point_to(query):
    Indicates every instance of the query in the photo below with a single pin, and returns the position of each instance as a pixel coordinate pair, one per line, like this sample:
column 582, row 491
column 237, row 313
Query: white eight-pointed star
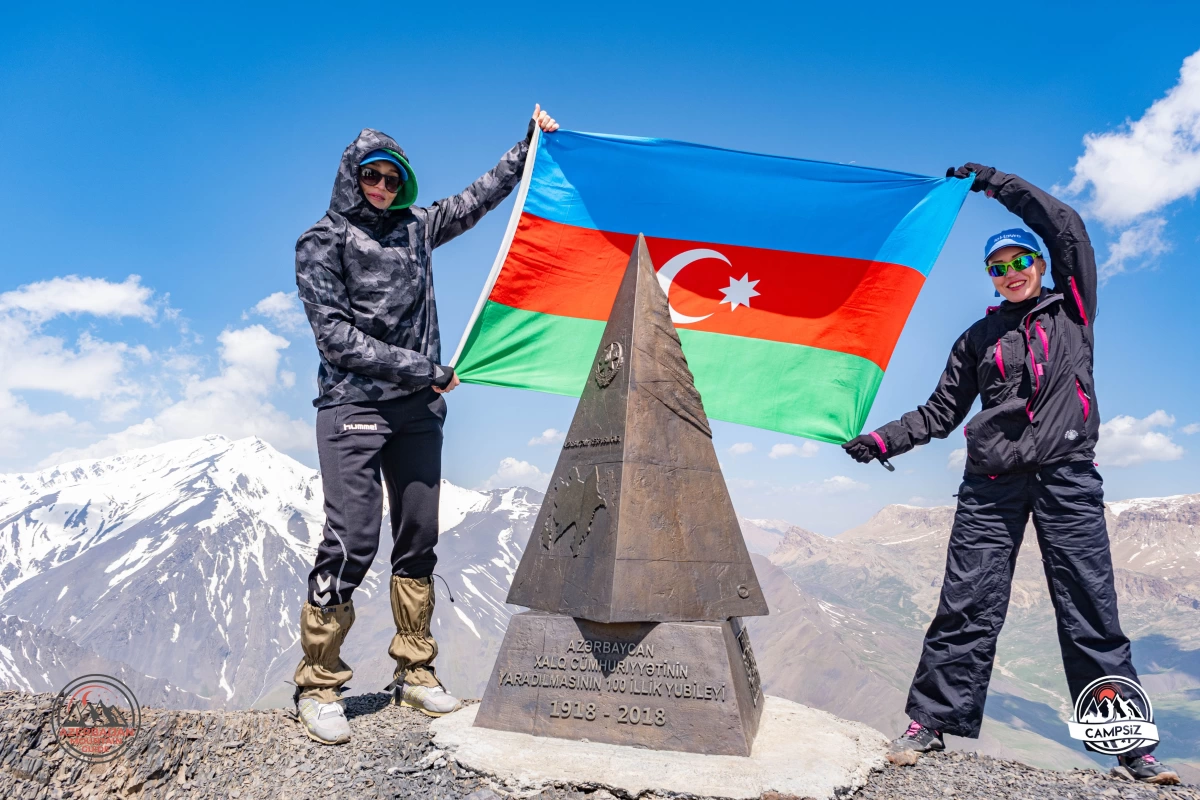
column 740, row 292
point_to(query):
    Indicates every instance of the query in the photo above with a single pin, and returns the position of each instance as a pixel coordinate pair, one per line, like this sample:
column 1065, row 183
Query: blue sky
column 190, row 148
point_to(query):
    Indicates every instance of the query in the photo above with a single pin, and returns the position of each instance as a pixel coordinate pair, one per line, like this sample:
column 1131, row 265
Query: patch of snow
column 467, row 621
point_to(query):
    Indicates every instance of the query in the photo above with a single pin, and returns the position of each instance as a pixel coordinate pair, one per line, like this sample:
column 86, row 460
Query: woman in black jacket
column 1030, row 452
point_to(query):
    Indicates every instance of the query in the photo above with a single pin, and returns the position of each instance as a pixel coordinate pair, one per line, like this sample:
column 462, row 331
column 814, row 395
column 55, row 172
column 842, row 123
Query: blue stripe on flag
column 676, row 190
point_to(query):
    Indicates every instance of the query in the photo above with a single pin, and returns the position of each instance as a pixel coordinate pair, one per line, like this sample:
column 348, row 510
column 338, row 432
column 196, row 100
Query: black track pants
column 1067, row 503
column 402, row 439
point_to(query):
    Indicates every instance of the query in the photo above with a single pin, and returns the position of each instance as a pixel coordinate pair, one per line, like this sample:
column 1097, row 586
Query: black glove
column 863, row 449
column 442, row 375
column 982, row 174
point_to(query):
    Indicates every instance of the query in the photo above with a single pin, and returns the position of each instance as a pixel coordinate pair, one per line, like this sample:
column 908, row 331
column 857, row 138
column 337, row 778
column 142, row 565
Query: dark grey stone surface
column 688, row 686
column 637, row 523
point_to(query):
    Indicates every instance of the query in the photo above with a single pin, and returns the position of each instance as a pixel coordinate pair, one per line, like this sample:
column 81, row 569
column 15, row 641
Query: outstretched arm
column 945, row 410
column 456, row 215
column 1072, row 259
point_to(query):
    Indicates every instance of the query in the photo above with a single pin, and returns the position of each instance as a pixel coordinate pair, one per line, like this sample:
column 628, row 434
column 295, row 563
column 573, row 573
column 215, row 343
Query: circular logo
column 95, row 718
column 1113, row 715
column 1071, row 435
column 609, row 363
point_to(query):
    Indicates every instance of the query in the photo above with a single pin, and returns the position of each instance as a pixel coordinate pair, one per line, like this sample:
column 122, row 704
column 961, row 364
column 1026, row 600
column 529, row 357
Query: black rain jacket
column 366, row 280
column 1030, row 363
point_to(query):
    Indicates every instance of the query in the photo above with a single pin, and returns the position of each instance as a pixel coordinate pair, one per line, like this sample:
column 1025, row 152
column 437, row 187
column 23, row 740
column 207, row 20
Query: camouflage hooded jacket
column 366, row 280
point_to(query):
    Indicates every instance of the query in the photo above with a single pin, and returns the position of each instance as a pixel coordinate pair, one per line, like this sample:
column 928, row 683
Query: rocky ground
column 253, row 755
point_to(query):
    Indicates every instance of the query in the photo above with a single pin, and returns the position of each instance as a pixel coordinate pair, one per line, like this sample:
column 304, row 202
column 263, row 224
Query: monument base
column 686, row 686
column 799, row 752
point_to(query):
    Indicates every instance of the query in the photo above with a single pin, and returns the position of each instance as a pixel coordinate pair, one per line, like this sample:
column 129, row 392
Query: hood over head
column 348, row 199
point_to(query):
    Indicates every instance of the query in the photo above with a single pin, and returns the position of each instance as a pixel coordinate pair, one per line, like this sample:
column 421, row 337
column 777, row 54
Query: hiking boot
column 919, row 739
column 432, row 700
column 1146, row 769
column 323, row 722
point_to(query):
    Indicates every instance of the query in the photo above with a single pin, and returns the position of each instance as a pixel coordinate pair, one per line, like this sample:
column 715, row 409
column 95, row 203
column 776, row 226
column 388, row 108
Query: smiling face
column 378, row 195
column 1016, row 286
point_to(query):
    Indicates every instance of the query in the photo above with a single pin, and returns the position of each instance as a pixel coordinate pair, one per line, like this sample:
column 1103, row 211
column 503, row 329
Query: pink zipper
column 1078, row 300
column 1045, row 340
column 1083, row 399
column 1037, row 372
column 1000, row 358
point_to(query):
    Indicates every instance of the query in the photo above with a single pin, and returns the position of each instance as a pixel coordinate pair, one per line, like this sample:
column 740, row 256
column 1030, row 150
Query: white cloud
column 839, row 484
column 514, row 472
column 89, row 368
column 19, row 420
column 957, row 459
column 283, row 310
column 72, row 294
column 1127, row 441
column 805, row 450
column 233, row 403
column 742, row 448
column 1192, row 428
column 1142, row 167
column 1136, row 247
column 549, row 436
column 29, row 359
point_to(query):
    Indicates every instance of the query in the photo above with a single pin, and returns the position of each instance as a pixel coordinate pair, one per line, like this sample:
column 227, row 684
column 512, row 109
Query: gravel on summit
column 253, row 755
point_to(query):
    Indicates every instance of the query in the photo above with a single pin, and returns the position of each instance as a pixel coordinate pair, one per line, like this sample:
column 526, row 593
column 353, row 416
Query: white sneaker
column 323, row 722
column 434, row 701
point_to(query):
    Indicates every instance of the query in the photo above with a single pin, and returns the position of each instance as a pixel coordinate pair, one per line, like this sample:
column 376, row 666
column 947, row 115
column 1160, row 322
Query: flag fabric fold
column 789, row 280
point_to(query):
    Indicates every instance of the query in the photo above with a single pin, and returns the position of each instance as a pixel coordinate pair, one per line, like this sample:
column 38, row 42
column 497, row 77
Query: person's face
column 378, row 195
column 1016, row 286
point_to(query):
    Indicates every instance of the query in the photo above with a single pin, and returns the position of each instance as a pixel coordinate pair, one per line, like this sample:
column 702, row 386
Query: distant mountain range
column 181, row 570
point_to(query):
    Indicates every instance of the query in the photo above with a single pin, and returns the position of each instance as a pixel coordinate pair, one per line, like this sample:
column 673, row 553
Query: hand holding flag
column 808, row 266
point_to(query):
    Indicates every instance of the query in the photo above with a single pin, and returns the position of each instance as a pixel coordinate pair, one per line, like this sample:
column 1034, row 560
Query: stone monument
column 636, row 569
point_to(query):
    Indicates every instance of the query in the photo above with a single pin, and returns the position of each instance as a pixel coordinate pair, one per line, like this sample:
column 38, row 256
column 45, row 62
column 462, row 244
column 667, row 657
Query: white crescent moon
column 666, row 276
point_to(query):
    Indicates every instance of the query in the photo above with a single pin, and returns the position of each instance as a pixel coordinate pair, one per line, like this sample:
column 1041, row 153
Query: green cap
column 408, row 189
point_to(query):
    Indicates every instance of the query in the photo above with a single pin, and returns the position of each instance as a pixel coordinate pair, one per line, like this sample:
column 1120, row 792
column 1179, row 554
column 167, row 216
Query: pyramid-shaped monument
column 636, row 567
column 637, row 524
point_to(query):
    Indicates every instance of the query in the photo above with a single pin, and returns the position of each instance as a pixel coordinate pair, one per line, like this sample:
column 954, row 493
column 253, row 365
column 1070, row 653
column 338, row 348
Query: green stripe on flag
column 529, row 350
column 790, row 388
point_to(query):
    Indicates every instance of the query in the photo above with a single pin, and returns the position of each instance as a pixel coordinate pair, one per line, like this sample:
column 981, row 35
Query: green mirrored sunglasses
column 1018, row 264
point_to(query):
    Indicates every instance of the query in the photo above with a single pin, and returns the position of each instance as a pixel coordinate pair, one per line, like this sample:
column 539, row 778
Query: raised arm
column 458, row 214
column 323, row 292
column 945, row 410
column 1072, row 259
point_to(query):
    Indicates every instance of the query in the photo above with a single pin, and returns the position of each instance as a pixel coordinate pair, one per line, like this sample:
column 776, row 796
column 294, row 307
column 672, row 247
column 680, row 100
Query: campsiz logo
column 360, row 426
column 1114, row 716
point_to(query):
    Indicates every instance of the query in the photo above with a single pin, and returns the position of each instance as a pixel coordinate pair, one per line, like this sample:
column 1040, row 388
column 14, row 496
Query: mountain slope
column 889, row 571
column 202, row 548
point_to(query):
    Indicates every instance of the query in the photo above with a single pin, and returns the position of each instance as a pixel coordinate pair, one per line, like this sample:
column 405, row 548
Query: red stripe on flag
column 843, row 304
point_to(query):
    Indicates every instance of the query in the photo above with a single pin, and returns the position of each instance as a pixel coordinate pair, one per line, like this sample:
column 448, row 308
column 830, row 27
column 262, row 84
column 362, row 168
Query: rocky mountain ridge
column 181, row 569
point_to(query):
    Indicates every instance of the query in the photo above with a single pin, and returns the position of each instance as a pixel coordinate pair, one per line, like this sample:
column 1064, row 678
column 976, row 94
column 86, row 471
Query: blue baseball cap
column 384, row 155
column 1013, row 237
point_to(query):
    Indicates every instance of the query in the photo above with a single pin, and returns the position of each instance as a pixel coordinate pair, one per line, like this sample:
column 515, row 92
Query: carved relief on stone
column 576, row 501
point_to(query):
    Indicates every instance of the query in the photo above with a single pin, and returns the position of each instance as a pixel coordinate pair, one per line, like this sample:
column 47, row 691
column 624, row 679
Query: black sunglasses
column 372, row 177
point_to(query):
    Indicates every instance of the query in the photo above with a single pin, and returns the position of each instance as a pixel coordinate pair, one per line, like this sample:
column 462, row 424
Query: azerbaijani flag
column 789, row 280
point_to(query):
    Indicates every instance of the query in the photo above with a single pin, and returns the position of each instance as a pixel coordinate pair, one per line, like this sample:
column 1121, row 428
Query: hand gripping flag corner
column 789, row 280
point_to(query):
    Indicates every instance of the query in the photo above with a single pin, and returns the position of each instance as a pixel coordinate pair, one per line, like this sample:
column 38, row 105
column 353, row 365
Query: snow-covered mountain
column 188, row 561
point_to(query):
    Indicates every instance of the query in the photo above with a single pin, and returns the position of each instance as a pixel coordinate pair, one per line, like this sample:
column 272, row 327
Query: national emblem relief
column 609, row 363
